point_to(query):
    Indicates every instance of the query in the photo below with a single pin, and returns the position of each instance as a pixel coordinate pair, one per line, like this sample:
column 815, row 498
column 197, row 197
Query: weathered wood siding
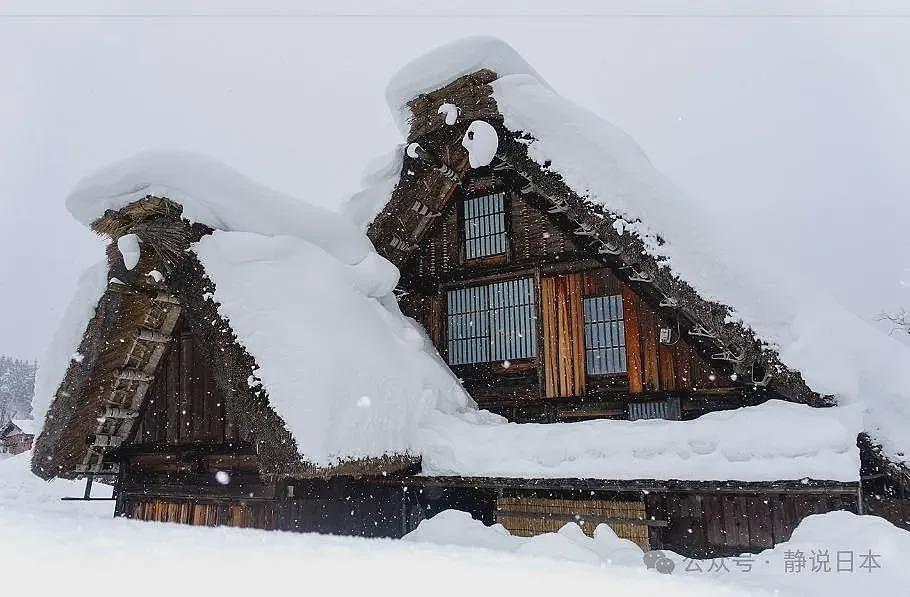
column 564, row 275
column 184, row 405
column 563, row 335
column 730, row 523
column 243, row 514
column 532, row 237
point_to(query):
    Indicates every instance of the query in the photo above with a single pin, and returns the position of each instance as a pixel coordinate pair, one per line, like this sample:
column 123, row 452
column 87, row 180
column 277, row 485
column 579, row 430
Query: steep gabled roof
column 14, row 426
column 592, row 179
column 309, row 350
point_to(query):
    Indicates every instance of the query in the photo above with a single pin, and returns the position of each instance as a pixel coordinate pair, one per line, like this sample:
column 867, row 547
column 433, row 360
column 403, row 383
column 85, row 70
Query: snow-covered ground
column 74, row 548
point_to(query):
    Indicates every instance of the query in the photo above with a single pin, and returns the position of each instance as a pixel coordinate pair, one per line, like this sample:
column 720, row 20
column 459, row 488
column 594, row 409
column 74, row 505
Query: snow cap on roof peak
column 214, row 194
column 439, row 67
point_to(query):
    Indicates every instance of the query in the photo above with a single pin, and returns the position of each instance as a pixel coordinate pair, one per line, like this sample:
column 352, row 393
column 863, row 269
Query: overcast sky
column 794, row 124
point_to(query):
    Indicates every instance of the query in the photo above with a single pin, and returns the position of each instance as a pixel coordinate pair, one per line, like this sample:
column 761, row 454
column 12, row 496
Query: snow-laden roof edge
column 446, row 63
column 214, row 194
column 773, row 441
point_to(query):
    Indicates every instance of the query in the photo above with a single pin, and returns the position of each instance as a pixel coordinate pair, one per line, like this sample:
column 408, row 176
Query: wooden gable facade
column 594, row 344
column 612, row 332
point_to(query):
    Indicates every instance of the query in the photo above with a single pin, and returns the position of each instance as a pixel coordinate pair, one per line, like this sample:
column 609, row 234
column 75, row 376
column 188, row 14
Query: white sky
column 789, row 122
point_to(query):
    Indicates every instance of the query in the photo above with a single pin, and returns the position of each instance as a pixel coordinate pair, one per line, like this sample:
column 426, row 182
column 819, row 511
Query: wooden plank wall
column 532, row 236
column 184, row 404
column 244, row 514
column 563, row 335
column 726, row 523
column 653, row 366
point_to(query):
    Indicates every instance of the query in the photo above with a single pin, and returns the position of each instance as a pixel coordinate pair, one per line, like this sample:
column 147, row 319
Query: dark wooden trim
column 799, row 486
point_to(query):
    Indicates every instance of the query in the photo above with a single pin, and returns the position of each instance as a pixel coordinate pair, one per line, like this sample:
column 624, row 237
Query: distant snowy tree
column 17, row 386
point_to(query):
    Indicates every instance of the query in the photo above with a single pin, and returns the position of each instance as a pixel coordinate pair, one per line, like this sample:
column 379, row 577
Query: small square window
column 484, row 226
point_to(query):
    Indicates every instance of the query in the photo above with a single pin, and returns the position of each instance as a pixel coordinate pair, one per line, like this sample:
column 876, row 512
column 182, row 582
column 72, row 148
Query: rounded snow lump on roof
column 214, row 194
column 441, row 66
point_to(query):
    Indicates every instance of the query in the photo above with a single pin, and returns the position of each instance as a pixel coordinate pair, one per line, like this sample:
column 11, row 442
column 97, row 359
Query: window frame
column 515, row 365
column 477, row 191
column 622, row 321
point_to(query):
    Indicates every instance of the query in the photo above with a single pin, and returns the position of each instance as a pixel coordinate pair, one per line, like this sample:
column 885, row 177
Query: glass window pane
column 484, row 226
column 605, row 346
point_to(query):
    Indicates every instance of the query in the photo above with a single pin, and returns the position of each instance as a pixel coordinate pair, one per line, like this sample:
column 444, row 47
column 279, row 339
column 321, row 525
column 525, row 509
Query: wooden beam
column 630, row 309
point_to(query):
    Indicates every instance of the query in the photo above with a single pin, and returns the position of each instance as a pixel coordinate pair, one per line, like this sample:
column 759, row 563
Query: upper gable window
column 605, row 335
column 484, row 226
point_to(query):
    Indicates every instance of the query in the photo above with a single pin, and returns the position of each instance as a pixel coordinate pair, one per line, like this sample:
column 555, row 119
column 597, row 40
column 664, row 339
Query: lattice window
column 484, row 226
column 493, row 322
column 605, row 335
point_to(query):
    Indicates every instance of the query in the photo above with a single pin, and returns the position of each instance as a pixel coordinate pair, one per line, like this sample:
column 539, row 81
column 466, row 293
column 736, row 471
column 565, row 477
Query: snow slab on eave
column 347, row 372
column 216, row 195
column 773, row 441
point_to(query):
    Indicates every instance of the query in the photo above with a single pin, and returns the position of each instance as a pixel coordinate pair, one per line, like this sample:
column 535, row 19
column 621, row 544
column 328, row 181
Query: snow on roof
column 216, row 195
column 835, row 351
column 27, row 426
column 64, row 344
column 773, row 441
column 350, row 376
column 443, row 65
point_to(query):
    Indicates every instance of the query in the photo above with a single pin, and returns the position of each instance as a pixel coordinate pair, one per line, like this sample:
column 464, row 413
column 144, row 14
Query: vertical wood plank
column 730, row 530
column 714, row 520
column 550, row 335
column 630, row 308
column 563, row 327
column 576, row 326
column 760, row 534
column 667, row 367
column 173, row 392
column 683, row 370
column 649, row 342
column 186, row 388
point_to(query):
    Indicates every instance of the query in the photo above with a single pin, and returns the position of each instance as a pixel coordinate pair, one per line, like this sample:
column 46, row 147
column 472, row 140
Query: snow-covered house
column 17, row 436
column 241, row 357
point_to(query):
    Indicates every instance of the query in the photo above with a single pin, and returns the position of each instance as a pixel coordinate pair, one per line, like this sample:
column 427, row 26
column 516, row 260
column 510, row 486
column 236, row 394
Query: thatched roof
column 98, row 401
column 430, row 181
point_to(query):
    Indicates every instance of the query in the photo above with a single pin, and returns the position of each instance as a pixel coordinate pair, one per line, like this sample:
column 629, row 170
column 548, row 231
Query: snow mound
column 214, row 194
column 837, row 553
column 71, row 534
column 19, row 488
column 773, row 441
column 350, row 376
column 453, row 527
column 443, row 65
